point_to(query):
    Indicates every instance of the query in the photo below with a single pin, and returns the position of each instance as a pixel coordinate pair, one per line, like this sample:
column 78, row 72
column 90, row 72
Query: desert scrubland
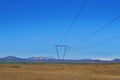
column 44, row 71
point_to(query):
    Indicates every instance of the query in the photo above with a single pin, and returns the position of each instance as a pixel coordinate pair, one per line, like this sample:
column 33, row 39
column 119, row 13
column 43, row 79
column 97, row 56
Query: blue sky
column 32, row 27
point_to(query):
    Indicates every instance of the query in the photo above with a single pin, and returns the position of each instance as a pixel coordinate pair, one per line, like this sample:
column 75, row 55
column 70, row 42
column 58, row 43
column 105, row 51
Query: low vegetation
column 59, row 71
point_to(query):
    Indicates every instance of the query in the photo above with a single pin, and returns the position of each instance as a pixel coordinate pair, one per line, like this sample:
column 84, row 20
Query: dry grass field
column 59, row 71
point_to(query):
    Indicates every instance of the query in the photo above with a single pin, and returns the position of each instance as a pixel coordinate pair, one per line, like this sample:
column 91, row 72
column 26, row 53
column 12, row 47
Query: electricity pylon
column 58, row 52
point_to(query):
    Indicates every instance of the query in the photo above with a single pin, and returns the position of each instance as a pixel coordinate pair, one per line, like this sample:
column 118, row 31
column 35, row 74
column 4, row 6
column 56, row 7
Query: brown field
column 59, row 71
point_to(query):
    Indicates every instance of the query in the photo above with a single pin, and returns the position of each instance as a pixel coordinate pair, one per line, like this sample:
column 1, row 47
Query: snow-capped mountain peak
column 39, row 58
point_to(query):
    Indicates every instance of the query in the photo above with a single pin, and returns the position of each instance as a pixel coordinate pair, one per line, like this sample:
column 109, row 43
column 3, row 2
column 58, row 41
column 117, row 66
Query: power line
column 74, row 20
column 102, row 42
column 99, row 30
column 68, row 30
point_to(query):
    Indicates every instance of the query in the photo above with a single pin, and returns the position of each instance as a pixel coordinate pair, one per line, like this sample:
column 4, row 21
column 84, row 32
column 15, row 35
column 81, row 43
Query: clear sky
column 32, row 27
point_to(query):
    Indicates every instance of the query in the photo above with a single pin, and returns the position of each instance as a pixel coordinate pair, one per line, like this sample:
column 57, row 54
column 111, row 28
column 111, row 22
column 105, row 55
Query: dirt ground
column 59, row 71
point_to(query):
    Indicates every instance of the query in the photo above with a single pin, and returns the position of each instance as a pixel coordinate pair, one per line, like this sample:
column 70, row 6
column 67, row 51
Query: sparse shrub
column 15, row 66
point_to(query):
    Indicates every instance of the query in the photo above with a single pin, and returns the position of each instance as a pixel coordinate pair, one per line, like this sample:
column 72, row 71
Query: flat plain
column 44, row 71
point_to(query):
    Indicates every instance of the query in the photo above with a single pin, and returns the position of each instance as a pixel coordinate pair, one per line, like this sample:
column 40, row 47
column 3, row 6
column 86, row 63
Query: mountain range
column 52, row 60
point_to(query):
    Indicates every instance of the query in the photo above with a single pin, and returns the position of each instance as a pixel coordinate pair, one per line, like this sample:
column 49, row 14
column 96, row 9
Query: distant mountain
column 116, row 60
column 30, row 59
column 11, row 58
column 39, row 58
column 47, row 59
